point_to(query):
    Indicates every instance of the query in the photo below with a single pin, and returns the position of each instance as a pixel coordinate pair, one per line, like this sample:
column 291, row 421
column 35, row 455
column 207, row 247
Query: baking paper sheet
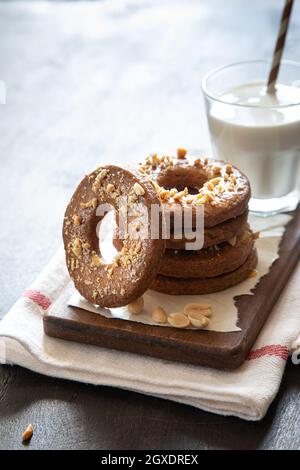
column 225, row 315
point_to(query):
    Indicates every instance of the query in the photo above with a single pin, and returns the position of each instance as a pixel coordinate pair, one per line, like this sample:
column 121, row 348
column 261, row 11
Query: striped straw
column 284, row 24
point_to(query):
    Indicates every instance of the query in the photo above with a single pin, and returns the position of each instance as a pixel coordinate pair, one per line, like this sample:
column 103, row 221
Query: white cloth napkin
column 246, row 392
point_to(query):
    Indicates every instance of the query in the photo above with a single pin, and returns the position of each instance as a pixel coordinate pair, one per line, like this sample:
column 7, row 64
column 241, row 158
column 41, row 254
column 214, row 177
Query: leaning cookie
column 128, row 276
column 194, row 286
column 208, row 262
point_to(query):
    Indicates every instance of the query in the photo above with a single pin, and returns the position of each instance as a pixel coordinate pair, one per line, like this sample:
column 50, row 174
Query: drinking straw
column 284, row 24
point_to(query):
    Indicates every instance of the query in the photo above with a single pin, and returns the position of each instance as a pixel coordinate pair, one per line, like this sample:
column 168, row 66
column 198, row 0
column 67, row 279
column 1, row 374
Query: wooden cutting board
column 206, row 348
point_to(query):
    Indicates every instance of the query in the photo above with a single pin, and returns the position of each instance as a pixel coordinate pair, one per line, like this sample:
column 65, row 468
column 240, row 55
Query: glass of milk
column 258, row 132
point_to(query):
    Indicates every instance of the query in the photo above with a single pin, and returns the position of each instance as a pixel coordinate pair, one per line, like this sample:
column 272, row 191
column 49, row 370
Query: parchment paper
column 225, row 315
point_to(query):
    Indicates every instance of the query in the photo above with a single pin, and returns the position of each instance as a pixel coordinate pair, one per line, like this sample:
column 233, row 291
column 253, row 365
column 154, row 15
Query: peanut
column 27, row 434
column 198, row 320
column 96, row 261
column 209, row 186
column 136, row 307
column 138, row 189
column 232, row 241
column 172, row 192
column 77, row 247
column 92, row 203
column 97, row 183
column 229, row 169
column 110, row 188
column 179, row 195
column 178, row 320
column 76, row 219
column 215, row 181
column 159, row 315
column 253, row 273
column 181, row 153
column 216, row 170
column 204, row 309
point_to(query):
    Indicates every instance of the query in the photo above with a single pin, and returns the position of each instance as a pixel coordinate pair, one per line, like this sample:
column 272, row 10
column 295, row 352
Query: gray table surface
column 110, row 81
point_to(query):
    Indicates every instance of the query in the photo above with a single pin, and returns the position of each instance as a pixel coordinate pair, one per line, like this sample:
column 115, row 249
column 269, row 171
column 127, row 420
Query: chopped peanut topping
column 76, row 219
column 208, row 197
column 85, row 248
column 164, row 194
column 172, row 192
column 110, row 188
column 216, row 170
column 92, row 203
column 215, row 181
column 138, row 246
column 96, row 261
column 232, row 241
column 229, row 169
column 138, row 189
column 199, row 201
column 209, row 186
column 220, row 188
column 99, row 178
column 178, row 196
column 181, row 153
column 77, row 247
column 253, row 273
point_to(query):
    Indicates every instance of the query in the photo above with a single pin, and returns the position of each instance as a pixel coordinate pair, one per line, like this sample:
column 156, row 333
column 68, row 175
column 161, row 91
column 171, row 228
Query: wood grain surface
column 110, row 81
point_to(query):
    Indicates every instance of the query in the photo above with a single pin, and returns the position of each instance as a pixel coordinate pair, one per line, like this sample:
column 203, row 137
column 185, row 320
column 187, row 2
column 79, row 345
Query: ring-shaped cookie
column 185, row 182
column 209, row 262
column 226, row 231
column 220, row 233
column 196, row 286
column 128, row 276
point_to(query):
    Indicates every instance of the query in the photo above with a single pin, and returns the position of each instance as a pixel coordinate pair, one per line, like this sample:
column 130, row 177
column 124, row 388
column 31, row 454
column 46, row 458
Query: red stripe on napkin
column 271, row 350
column 38, row 298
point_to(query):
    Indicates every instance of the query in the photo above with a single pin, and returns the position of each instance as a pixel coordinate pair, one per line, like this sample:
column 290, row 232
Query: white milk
column 261, row 138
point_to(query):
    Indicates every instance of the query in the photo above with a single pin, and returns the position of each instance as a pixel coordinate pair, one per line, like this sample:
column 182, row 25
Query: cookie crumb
column 253, row 273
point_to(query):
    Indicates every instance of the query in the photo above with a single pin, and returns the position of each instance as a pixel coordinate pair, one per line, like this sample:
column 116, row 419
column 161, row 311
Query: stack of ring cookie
column 228, row 255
